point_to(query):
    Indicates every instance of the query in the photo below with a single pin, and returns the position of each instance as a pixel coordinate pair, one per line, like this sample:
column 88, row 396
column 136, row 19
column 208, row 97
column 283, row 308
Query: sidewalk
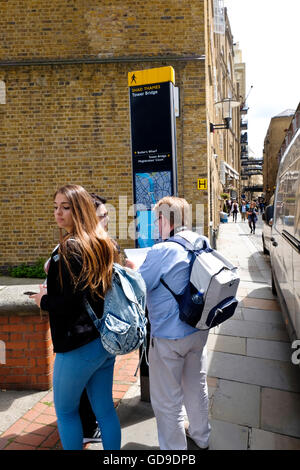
column 255, row 401
column 36, row 429
column 253, row 386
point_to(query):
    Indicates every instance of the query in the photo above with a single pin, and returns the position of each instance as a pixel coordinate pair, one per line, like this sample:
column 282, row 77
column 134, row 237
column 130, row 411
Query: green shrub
column 34, row 271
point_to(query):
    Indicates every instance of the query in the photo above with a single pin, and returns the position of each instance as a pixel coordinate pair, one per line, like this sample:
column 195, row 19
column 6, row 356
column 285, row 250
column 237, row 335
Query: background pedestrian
column 234, row 210
column 243, row 211
column 252, row 216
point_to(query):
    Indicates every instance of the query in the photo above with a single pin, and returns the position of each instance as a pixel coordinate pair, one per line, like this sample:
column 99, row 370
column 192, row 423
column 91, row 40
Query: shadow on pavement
column 137, row 446
column 133, row 411
column 44, row 437
column 7, row 397
column 139, row 415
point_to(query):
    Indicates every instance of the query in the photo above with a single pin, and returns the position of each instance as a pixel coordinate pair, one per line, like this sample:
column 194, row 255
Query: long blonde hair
column 91, row 243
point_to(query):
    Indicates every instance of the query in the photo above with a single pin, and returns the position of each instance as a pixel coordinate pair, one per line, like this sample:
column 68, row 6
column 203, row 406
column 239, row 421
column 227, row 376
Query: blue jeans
column 90, row 367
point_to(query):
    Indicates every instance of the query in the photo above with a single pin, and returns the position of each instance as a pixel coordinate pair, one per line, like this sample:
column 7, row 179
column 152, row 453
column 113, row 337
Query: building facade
column 223, row 83
column 290, row 133
column 64, row 108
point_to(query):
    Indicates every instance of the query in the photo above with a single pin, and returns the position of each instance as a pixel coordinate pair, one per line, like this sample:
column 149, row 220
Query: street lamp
column 225, row 106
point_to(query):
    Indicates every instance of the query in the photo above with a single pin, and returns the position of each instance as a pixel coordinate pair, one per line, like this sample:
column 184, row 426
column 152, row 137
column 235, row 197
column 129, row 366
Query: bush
column 225, row 196
column 34, row 271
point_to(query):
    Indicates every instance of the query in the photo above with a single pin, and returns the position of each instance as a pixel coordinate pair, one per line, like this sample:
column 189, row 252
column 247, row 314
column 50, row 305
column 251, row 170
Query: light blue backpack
column 122, row 326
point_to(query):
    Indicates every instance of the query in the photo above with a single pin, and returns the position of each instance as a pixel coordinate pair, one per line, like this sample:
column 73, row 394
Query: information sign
column 153, row 144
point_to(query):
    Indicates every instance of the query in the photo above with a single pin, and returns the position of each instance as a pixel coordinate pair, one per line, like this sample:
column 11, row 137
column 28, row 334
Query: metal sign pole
column 153, row 152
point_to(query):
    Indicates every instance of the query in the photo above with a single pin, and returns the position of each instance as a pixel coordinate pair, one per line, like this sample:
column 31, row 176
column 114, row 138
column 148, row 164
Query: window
column 2, row 92
column 219, row 17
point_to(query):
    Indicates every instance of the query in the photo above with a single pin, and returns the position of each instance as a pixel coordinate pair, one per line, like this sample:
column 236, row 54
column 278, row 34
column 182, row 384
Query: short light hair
column 175, row 209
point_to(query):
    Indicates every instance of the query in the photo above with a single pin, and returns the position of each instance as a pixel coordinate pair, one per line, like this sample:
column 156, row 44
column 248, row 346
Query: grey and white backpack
column 209, row 298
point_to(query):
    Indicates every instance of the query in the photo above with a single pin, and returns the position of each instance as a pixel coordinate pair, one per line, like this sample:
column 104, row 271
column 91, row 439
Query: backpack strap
column 187, row 246
column 183, row 242
column 97, row 321
column 191, row 249
column 169, row 289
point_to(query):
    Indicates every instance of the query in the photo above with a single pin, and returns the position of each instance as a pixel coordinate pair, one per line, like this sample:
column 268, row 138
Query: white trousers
column 177, row 373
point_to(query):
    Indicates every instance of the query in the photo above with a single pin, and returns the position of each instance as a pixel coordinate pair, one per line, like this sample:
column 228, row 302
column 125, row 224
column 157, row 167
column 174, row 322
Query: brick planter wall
column 26, row 345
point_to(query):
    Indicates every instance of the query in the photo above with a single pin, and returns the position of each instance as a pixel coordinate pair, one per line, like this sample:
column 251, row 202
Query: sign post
column 154, row 166
column 153, row 145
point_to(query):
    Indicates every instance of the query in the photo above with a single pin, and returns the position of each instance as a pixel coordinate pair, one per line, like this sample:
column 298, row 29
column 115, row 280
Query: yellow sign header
column 149, row 76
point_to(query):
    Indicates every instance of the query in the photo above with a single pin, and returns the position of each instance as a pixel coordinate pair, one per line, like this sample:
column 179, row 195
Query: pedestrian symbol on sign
column 133, row 78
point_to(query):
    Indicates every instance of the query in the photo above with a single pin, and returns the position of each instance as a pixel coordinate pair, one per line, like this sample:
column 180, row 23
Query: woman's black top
column 71, row 326
column 252, row 213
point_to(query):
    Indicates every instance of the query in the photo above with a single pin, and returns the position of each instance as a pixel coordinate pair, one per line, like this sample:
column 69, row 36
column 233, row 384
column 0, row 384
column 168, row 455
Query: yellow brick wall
column 70, row 123
column 221, row 82
column 69, row 28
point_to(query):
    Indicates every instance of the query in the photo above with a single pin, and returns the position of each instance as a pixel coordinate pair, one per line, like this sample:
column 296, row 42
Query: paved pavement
column 254, row 388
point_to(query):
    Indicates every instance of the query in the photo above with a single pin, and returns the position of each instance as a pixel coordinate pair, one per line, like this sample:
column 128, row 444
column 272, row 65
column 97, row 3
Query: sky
column 268, row 34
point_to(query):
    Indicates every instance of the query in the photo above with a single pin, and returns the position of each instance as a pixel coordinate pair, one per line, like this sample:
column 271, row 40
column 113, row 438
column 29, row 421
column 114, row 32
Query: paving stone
column 242, row 291
column 212, row 384
column 15, row 281
column 246, row 275
column 276, row 350
column 227, row 436
column 286, row 419
column 252, row 370
column 132, row 411
column 253, row 285
column 17, row 446
column 263, row 304
column 238, row 314
column 14, row 404
column 250, row 329
column 263, row 316
column 265, row 440
column 251, row 268
column 266, row 274
column 262, row 293
column 237, row 403
column 229, row 344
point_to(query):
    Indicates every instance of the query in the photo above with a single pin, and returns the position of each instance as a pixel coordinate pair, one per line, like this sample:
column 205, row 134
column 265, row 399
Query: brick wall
column 73, row 28
column 28, row 353
column 70, row 123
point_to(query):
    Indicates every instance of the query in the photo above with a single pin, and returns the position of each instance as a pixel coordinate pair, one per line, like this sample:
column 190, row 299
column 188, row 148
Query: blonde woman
column 81, row 266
